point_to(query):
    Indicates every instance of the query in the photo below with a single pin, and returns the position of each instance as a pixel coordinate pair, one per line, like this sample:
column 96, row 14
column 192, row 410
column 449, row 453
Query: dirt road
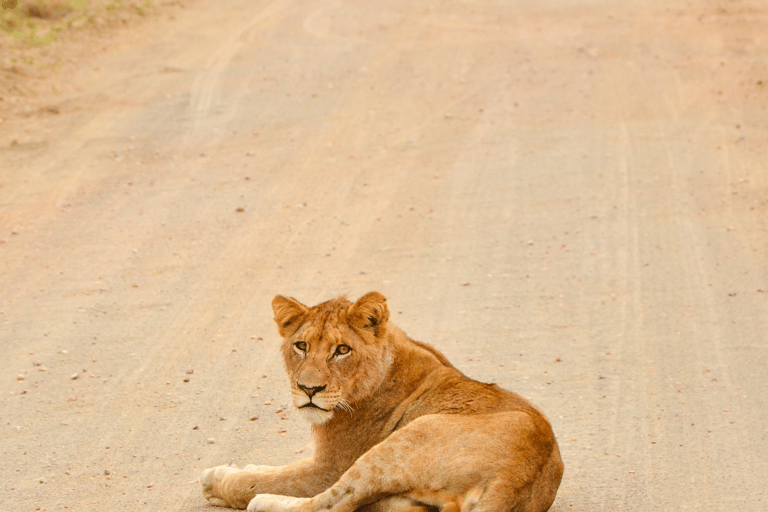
column 568, row 198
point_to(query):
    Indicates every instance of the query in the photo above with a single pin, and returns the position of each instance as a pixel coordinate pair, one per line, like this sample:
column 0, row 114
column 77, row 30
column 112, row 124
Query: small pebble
column 211, row 440
column 106, row 471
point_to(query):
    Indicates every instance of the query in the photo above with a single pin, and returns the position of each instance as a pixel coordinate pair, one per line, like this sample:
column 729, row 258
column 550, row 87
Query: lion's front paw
column 275, row 503
column 211, row 480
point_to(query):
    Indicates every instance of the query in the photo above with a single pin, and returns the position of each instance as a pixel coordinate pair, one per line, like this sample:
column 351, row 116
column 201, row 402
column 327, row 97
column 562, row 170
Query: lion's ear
column 370, row 312
column 289, row 314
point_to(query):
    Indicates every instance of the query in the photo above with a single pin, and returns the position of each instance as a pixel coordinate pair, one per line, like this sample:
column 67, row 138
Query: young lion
column 396, row 426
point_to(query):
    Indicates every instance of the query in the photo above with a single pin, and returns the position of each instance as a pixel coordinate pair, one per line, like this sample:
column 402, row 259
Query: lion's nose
column 311, row 391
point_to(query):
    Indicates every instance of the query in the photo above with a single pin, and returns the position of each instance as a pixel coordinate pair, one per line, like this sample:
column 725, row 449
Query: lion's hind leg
column 397, row 504
column 445, row 501
column 426, row 500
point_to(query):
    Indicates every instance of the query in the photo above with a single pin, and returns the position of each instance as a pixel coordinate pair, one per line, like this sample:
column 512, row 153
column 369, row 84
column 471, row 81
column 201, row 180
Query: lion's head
column 335, row 353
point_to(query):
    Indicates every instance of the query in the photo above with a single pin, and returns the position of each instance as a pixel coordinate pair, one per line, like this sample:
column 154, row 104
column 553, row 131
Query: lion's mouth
column 313, row 406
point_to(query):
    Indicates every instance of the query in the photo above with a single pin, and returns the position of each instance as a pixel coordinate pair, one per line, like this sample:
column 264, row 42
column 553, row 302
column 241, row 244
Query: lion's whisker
column 344, row 406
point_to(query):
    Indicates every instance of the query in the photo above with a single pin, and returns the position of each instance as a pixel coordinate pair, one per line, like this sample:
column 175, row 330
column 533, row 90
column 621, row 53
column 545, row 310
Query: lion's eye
column 342, row 350
column 301, row 345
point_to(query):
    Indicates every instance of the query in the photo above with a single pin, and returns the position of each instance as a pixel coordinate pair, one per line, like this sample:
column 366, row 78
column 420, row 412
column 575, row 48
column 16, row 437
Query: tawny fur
column 396, row 427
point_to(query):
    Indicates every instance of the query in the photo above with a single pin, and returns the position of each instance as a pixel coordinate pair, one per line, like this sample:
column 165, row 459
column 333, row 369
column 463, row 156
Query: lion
column 396, row 427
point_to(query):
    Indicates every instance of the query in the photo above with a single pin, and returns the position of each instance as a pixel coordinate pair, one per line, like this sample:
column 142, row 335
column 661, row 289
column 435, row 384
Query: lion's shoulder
column 423, row 381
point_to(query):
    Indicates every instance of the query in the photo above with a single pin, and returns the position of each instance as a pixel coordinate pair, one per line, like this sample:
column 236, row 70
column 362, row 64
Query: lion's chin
column 315, row 415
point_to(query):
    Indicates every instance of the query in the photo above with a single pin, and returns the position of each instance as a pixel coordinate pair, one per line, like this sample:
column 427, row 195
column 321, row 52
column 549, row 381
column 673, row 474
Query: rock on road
column 568, row 198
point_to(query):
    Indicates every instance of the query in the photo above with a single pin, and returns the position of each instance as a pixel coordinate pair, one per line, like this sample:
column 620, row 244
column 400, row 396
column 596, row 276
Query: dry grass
column 35, row 20
column 46, row 9
column 40, row 21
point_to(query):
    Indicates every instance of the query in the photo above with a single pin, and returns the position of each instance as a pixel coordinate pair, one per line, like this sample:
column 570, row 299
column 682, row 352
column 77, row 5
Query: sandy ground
column 568, row 198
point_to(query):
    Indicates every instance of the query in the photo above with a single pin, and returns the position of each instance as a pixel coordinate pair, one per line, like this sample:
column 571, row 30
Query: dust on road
column 567, row 198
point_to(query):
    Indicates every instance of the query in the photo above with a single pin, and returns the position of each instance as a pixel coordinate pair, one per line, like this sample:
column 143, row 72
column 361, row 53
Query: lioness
column 396, row 427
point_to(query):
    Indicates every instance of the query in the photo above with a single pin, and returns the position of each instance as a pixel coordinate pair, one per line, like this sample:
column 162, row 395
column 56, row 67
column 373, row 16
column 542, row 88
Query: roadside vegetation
column 41, row 21
column 40, row 38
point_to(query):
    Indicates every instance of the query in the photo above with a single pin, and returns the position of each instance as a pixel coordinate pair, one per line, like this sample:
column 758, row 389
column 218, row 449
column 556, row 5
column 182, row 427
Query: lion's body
column 396, row 426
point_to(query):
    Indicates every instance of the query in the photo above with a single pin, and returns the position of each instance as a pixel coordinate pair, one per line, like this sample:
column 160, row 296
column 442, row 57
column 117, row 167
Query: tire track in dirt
column 206, row 86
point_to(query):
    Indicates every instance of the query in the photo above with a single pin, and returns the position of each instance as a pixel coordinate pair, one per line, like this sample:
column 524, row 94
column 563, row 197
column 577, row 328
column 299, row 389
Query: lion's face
column 333, row 352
